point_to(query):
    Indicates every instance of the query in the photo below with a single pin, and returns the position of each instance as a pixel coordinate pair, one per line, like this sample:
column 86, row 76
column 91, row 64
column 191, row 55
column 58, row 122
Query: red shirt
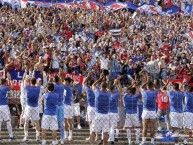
column 163, row 101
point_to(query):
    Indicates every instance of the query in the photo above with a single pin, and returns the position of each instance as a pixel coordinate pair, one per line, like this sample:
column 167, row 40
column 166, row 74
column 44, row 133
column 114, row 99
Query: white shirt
column 104, row 63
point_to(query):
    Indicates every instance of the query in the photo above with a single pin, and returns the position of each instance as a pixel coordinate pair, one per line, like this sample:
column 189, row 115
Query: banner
column 75, row 78
column 17, row 77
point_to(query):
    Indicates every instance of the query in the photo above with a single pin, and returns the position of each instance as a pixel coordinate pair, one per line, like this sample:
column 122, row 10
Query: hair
column 3, row 81
column 90, row 82
column 176, row 86
column 111, row 86
column 104, row 85
column 56, row 79
column 190, row 89
column 132, row 90
column 68, row 79
column 33, row 81
column 150, row 85
column 50, row 87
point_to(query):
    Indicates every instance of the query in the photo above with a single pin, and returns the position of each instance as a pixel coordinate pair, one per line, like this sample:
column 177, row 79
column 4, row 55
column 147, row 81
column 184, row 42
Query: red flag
column 169, row 3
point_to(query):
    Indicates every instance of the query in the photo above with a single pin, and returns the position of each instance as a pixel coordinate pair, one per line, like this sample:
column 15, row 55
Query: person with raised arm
column 102, row 105
column 31, row 111
column 4, row 108
column 149, row 97
column 49, row 119
column 130, row 99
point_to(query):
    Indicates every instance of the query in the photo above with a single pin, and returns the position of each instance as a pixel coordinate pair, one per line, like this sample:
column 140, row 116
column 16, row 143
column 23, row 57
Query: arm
column 10, row 81
column 85, row 80
column 97, row 81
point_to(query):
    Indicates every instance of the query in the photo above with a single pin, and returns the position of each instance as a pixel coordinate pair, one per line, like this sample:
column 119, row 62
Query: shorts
column 188, row 120
column 68, row 111
column 132, row 120
column 4, row 113
column 164, row 113
column 49, row 122
column 76, row 109
column 60, row 113
column 176, row 119
column 90, row 114
column 101, row 123
column 114, row 119
column 149, row 114
column 31, row 113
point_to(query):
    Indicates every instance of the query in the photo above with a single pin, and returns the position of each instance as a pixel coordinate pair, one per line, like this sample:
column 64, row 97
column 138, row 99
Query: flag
column 188, row 9
column 151, row 2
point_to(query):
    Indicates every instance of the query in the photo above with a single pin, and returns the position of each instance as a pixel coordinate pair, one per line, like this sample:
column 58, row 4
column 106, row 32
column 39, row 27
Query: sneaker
column 21, row 127
column 37, row 138
column 112, row 142
column 88, row 138
column 100, row 143
column 61, row 141
column 79, row 127
column 25, row 138
column 12, row 138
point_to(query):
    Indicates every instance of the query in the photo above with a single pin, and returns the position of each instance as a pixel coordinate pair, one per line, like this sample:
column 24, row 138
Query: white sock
column 70, row 133
column 143, row 140
column 117, row 133
column 137, row 133
column 37, row 133
column 152, row 140
column 43, row 142
column 112, row 134
column 0, row 129
column 9, row 128
column 102, row 136
column 185, row 141
column 26, row 133
column 129, row 135
column 66, row 134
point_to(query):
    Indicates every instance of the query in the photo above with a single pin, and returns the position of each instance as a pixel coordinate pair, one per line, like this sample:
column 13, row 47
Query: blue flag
column 188, row 9
column 151, row 2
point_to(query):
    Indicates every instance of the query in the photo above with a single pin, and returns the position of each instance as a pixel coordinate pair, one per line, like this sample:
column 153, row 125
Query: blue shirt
column 114, row 102
column 50, row 103
column 33, row 93
column 131, row 103
column 102, row 101
column 3, row 95
column 176, row 101
column 188, row 106
column 90, row 97
column 59, row 89
column 68, row 95
column 149, row 99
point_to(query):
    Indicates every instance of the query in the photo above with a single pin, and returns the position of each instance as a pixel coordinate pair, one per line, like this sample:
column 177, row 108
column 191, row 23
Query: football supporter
column 31, row 111
column 4, row 108
column 149, row 96
column 101, row 120
column 49, row 120
column 131, row 99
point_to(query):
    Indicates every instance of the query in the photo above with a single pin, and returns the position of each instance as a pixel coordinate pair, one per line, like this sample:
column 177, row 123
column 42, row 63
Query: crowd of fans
column 77, row 41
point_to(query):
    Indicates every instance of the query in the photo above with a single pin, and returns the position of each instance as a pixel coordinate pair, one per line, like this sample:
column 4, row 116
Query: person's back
column 176, row 101
column 90, row 97
column 102, row 99
column 188, row 105
column 149, row 99
column 114, row 102
column 59, row 89
column 163, row 101
column 68, row 95
column 50, row 104
column 32, row 95
column 130, row 103
column 3, row 95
